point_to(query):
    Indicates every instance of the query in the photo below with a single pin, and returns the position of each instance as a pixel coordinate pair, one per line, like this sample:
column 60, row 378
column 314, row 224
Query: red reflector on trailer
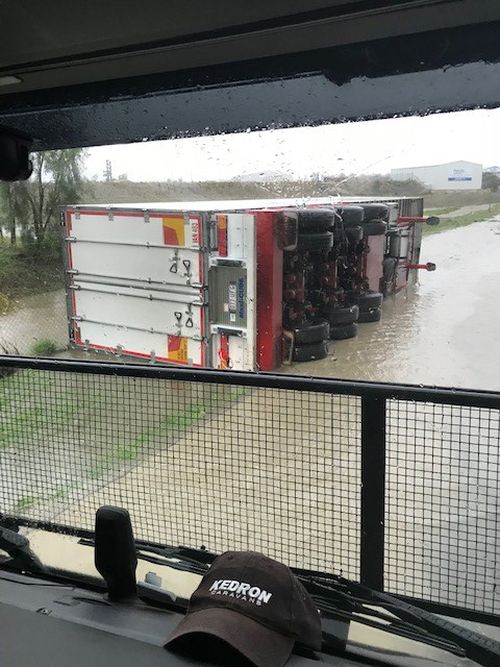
column 222, row 235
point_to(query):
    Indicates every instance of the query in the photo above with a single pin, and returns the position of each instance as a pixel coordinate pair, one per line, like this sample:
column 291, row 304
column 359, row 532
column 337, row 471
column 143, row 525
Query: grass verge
column 22, row 273
column 462, row 220
column 44, row 347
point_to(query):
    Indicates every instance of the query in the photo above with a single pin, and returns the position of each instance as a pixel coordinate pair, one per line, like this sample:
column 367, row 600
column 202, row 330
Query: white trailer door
column 137, row 283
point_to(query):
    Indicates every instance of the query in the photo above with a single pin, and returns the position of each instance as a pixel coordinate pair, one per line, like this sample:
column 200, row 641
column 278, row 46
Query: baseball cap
column 254, row 604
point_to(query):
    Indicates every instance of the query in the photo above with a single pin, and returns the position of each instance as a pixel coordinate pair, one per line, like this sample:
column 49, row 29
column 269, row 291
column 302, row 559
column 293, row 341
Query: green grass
column 22, row 273
column 439, row 211
column 25, row 410
column 44, row 347
column 462, row 220
column 178, row 422
column 24, row 503
column 87, row 416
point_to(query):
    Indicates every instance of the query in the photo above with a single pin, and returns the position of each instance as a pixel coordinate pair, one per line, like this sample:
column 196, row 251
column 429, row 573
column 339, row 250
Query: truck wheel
column 316, row 242
column 374, row 228
column 366, row 300
column 339, row 316
column 311, row 332
column 355, row 234
column 376, row 211
column 352, row 215
column 315, row 220
column 373, row 315
column 310, row 352
column 318, row 297
column 344, row 331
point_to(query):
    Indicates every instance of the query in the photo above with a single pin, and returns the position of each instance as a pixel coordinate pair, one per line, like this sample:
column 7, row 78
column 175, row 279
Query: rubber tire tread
column 343, row 332
column 367, row 300
column 340, row 316
column 355, row 234
column 322, row 242
column 312, row 332
column 310, row 352
column 374, row 228
column 375, row 211
column 352, row 215
column 315, row 220
column 374, row 315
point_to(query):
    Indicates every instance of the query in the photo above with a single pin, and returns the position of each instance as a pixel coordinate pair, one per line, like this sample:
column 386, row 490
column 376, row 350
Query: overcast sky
column 363, row 147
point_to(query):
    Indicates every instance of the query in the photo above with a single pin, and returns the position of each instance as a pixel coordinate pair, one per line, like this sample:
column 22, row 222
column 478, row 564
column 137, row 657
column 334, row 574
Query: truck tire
column 355, row 234
column 373, row 315
column 366, row 300
column 310, row 352
column 352, row 215
column 376, row 211
column 340, row 316
column 311, row 332
column 343, row 332
column 374, row 228
column 322, row 242
column 318, row 297
column 315, row 220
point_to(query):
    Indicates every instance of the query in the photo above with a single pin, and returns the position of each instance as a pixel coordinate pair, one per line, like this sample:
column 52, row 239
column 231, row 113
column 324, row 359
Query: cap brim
column 259, row 644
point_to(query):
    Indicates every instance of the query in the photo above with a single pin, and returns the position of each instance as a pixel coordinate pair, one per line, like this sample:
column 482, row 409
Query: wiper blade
column 17, row 546
column 349, row 600
column 183, row 559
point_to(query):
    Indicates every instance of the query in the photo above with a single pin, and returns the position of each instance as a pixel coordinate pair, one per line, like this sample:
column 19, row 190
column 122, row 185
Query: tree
column 33, row 205
column 57, row 180
column 491, row 181
column 14, row 205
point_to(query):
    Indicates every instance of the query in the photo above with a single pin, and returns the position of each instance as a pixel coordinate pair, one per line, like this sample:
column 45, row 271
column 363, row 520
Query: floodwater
column 33, row 318
column 444, row 331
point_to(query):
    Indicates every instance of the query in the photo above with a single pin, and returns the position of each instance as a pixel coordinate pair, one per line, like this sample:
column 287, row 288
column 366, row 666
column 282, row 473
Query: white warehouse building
column 459, row 175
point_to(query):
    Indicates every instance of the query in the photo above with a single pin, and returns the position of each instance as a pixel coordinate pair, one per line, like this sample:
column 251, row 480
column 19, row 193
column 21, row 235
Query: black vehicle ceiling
column 76, row 74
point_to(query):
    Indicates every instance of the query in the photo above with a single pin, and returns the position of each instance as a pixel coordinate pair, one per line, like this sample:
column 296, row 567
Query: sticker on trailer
column 232, row 297
column 173, row 230
column 181, row 231
column 177, row 349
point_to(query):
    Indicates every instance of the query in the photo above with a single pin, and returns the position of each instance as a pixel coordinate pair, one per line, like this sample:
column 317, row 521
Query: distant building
column 459, row 175
column 493, row 170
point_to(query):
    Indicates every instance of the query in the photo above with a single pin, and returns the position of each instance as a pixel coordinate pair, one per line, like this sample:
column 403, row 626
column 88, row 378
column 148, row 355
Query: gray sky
column 362, row 147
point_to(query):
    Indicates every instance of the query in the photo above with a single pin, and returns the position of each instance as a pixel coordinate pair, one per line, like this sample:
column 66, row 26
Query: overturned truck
column 245, row 285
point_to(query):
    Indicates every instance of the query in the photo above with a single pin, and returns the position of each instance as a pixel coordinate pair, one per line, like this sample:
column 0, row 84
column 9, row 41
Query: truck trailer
column 245, row 285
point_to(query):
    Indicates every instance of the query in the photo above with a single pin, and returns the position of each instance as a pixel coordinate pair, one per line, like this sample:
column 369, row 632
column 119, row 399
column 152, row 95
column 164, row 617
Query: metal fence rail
column 395, row 486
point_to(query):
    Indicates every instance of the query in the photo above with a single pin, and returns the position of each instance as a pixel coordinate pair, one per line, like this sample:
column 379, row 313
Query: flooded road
column 34, row 318
column 445, row 331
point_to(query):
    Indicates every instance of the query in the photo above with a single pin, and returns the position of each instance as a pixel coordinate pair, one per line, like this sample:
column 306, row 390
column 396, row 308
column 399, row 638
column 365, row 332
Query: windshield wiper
column 183, row 559
column 21, row 557
column 344, row 601
column 349, row 601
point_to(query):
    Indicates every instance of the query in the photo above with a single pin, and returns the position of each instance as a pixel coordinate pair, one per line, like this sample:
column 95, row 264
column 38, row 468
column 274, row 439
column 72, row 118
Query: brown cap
column 256, row 605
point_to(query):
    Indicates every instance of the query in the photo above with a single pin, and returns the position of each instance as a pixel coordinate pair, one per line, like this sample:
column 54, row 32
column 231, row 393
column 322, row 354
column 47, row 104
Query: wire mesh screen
column 443, row 472
column 36, row 324
column 223, row 466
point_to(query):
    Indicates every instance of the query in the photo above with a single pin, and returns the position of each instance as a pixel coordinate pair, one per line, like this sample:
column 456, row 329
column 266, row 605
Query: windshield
column 366, row 252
